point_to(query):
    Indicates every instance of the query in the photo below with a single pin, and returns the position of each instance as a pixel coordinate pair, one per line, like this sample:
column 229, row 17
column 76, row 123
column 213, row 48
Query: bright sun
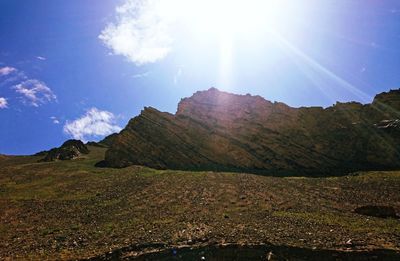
column 235, row 17
column 211, row 27
column 229, row 21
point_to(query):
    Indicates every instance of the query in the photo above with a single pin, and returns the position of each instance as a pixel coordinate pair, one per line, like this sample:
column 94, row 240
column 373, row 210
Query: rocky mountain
column 107, row 141
column 215, row 130
column 70, row 149
column 104, row 143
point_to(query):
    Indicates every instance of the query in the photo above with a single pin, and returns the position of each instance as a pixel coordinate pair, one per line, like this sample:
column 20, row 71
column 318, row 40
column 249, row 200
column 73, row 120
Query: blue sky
column 83, row 68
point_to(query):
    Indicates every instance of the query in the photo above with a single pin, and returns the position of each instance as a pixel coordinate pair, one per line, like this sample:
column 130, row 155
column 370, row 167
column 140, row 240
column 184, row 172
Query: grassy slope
column 62, row 210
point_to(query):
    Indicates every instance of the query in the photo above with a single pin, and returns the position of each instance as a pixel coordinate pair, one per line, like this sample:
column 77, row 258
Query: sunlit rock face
column 214, row 130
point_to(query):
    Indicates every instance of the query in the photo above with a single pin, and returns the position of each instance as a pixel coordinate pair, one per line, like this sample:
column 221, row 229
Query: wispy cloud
column 141, row 75
column 94, row 123
column 7, row 70
column 35, row 93
column 141, row 31
column 54, row 120
column 13, row 77
column 32, row 91
column 41, row 58
column 177, row 75
column 3, row 103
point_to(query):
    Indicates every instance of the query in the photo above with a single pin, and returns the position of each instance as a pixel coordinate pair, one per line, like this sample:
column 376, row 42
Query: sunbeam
column 323, row 70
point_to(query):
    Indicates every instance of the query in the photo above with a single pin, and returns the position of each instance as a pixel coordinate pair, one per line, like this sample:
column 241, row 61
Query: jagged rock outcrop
column 70, row 149
column 214, row 130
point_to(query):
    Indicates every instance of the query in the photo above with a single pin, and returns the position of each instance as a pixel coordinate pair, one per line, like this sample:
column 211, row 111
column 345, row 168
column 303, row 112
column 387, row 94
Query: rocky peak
column 388, row 102
column 70, row 149
column 220, row 106
column 388, row 97
column 214, row 99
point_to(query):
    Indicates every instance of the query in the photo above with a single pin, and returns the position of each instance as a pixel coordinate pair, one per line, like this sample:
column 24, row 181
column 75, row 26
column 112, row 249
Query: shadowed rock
column 243, row 252
column 214, row 130
column 108, row 141
column 70, row 149
column 377, row 211
column 104, row 143
column 41, row 153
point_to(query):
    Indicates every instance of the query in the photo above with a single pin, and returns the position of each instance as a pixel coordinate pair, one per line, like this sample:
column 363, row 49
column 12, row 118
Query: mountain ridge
column 214, row 130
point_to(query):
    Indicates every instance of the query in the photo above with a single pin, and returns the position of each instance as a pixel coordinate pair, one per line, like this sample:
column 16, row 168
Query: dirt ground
column 71, row 209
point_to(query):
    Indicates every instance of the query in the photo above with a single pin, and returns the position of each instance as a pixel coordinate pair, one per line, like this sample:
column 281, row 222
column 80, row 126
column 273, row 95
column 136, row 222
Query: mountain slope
column 214, row 130
column 70, row 210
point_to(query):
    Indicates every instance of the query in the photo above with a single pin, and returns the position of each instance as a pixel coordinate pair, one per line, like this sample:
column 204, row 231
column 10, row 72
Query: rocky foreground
column 65, row 210
column 214, row 130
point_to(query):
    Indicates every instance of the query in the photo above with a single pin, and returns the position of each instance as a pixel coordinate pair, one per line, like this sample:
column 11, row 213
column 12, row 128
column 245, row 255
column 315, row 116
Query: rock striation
column 215, row 130
column 70, row 149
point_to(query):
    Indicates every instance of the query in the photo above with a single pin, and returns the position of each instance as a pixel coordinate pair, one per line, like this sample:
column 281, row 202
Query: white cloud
column 3, row 103
column 141, row 31
column 55, row 120
column 41, row 58
column 7, row 70
column 93, row 123
column 35, row 92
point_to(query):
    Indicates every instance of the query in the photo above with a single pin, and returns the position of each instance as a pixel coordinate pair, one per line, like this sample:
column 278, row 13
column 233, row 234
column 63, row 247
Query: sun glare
column 229, row 22
column 227, row 26
column 225, row 22
column 221, row 17
column 239, row 17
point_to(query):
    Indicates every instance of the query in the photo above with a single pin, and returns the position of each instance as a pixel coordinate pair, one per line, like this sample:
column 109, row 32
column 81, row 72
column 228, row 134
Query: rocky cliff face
column 214, row 130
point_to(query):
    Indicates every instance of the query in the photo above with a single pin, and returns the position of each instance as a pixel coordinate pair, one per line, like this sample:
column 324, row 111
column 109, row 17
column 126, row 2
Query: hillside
column 214, row 130
column 67, row 210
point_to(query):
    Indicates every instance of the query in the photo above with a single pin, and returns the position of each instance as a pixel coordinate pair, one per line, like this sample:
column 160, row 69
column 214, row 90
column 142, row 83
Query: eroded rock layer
column 214, row 130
